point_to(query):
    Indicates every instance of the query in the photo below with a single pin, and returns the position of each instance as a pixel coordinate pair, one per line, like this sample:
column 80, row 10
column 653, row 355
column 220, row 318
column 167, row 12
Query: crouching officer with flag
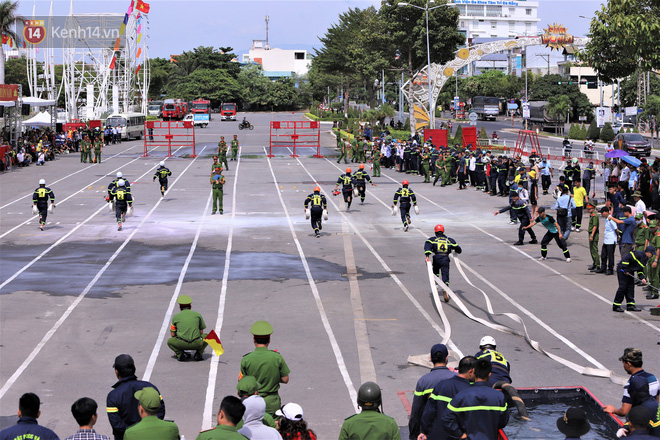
column 440, row 246
column 318, row 205
column 186, row 330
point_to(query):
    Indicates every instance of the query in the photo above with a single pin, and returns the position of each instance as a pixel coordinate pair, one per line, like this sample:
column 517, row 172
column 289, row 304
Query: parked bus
column 132, row 124
column 486, row 107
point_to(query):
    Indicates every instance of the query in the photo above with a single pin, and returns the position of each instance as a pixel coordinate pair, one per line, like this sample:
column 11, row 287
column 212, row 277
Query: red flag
column 213, row 340
column 138, row 69
column 5, row 39
column 139, row 52
column 142, row 6
column 112, row 63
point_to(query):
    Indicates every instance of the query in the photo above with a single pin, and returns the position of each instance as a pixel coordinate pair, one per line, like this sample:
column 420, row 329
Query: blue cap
column 439, row 351
column 650, row 249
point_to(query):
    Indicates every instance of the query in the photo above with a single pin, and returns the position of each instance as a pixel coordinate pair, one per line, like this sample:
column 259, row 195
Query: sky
column 179, row 25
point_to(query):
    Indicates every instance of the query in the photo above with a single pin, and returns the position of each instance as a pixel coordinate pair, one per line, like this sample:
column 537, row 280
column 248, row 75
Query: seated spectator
column 291, row 425
column 84, row 411
column 41, row 160
column 253, row 427
column 27, row 426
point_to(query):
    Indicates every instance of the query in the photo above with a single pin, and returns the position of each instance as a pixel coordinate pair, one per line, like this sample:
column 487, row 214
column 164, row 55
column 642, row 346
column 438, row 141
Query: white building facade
column 278, row 63
column 497, row 18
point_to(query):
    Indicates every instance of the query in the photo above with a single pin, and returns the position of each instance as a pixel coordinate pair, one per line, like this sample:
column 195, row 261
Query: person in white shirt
column 472, row 167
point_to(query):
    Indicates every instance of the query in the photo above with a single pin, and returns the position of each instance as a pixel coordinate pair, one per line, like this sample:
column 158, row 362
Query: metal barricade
column 169, row 134
column 295, row 135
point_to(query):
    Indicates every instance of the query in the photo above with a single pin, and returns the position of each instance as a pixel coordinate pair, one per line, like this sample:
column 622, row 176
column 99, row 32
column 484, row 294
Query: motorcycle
column 494, row 137
column 245, row 125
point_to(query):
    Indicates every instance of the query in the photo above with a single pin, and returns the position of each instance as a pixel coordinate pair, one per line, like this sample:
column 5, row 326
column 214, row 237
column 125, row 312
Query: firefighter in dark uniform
column 161, row 173
column 370, row 423
column 123, row 199
column 186, row 331
column 414, row 159
column 481, row 172
column 40, row 200
column 440, row 246
column 502, row 170
column 635, row 261
column 435, row 153
column 361, row 179
column 501, row 367
column 521, row 212
column 113, row 185
column 318, row 204
column 494, row 174
column 406, row 196
column 406, row 158
column 122, row 407
column 478, row 412
column 346, row 181
column 267, row 366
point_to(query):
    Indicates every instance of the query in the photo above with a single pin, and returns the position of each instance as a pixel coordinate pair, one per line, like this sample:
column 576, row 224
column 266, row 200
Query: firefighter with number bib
column 40, row 200
column 161, row 173
column 346, row 181
column 361, row 179
column 440, row 246
column 406, row 196
column 318, row 205
column 123, row 199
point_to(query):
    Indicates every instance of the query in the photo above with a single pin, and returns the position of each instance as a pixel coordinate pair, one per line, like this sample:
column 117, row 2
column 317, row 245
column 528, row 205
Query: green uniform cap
column 653, row 224
column 261, row 328
column 639, row 216
column 247, row 385
column 148, row 398
column 184, row 300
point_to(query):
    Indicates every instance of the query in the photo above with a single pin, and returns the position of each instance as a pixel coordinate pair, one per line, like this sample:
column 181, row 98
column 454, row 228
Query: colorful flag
column 142, row 6
column 139, row 52
column 117, row 44
column 112, row 63
column 213, row 340
column 130, row 8
column 5, row 39
column 139, row 38
column 139, row 29
column 122, row 29
column 138, row 69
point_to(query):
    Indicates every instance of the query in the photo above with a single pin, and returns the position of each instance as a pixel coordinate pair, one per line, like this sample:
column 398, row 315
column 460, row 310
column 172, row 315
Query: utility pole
column 267, row 20
column 547, row 58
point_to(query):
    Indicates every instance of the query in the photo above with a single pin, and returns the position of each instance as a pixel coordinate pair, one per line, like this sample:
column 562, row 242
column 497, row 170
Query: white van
column 197, row 121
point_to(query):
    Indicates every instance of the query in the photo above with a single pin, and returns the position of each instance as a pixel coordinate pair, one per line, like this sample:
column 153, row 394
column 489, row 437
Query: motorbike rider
column 245, row 122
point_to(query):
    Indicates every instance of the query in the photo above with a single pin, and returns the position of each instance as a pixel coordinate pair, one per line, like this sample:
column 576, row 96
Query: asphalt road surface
column 347, row 307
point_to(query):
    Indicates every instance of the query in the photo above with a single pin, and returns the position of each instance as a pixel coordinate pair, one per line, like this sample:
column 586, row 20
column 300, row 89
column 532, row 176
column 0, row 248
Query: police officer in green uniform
column 246, row 387
column 151, row 427
column 98, row 148
column 426, row 158
column 362, row 150
column 267, row 366
column 186, row 331
column 217, row 185
column 83, row 150
column 215, row 163
column 370, row 423
column 652, row 268
column 375, row 157
column 234, row 148
column 593, row 229
column 640, row 233
column 439, row 170
column 222, row 153
column 354, row 147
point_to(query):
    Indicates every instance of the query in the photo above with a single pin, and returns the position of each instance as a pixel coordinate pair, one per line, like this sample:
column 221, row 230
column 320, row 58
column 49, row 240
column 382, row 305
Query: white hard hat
column 162, row 164
column 42, row 182
column 487, row 340
column 119, row 174
column 120, row 182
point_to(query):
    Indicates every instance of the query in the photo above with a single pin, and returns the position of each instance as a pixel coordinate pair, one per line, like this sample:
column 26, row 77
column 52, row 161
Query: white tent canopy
column 40, row 120
column 7, row 103
column 38, row 102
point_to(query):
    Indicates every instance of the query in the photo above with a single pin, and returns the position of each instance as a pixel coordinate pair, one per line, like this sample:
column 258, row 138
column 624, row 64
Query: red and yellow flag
column 142, row 6
column 213, row 340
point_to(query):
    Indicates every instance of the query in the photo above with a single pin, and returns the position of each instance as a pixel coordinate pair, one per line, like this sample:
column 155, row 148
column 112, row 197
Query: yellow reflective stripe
column 112, row 409
column 424, row 393
column 441, row 398
column 635, row 258
column 477, row 408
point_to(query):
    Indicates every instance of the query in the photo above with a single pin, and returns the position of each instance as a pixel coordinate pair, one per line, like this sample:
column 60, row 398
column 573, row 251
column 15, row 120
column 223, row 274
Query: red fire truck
column 201, row 109
column 228, row 111
column 174, row 109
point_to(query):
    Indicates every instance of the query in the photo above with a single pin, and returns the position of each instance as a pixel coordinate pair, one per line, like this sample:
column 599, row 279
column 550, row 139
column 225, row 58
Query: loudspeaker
column 25, row 110
column 2, row 112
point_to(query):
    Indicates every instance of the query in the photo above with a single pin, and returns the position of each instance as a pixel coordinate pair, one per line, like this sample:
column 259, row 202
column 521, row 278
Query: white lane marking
column 396, row 279
column 58, row 242
column 72, row 195
column 207, row 418
column 317, row 297
column 65, row 177
column 82, row 295
column 365, row 360
column 177, row 290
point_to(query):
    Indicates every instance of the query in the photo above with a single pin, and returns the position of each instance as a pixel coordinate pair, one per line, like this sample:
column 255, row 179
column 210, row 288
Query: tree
column 458, row 139
column 628, row 91
column 494, row 83
column 406, row 31
column 8, row 16
column 624, row 38
column 482, row 133
column 16, row 73
column 607, row 134
column 215, row 85
column 652, row 106
column 559, row 106
column 593, row 132
column 161, row 69
column 542, row 88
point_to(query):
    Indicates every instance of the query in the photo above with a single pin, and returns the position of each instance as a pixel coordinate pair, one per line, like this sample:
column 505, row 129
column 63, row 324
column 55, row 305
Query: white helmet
column 42, row 182
column 121, row 182
column 119, row 175
column 487, row 340
column 162, row 164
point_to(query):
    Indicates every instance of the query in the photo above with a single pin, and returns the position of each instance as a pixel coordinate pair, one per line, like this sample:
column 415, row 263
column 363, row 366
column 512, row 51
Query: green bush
column 574, row 132
column 458, row 138
column 406, row 125
column 482, row 133
column 607, row 134
column 635, row 129
column 583, row 133
column 593, row 132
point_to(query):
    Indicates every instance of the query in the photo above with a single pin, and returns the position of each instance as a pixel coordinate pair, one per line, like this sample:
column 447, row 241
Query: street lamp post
column 428, row 53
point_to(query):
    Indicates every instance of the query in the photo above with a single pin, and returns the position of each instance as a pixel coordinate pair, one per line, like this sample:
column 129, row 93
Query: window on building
column 475, row 10
column 462, row 25
column 475, row 25
column 493, row 25
column 461, row 9
column 493, row 11
column 299, row 55
column 528, row 11
column 528, row 27
column 512, row 26
column 512, row 12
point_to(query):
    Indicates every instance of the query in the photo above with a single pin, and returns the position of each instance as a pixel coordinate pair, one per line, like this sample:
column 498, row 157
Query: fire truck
column 228, row 111
column 201, row 110
column 174, row 109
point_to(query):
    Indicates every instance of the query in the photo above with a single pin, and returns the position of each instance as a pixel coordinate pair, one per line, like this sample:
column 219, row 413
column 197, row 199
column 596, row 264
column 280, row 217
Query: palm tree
column 8, row 16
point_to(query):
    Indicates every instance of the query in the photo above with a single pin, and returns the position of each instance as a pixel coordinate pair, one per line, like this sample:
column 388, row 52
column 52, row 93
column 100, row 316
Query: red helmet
column 404, row 183
column 348, row 170
column 317, row 189
column 361, row 166
column 439, row 228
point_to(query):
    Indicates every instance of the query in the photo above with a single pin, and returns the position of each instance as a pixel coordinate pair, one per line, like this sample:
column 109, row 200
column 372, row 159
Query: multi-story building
column 278, row 63
column 497, row 18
